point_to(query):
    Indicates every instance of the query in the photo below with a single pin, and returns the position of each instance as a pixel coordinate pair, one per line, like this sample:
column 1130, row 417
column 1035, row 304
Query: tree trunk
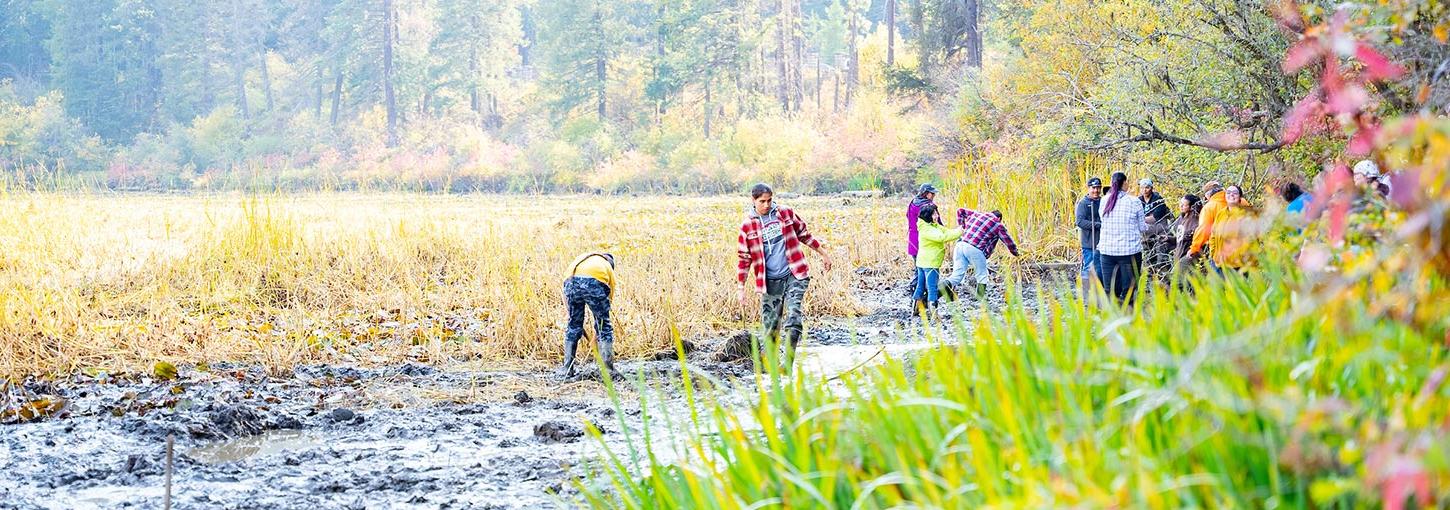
column 336, row 97
column 601, row 70
column 818, row 82
column 852, row 69
column 239, row 79
column 530, row 37
column 660, row 102
column 890, row 33
column 836, row 96
column 266, row 79
column 473, row 102
column 781, row 66
column 317, row 102
column 797, row 62
column 972, row 10
column 923, row 41
column 389, row 100
column 709, row 107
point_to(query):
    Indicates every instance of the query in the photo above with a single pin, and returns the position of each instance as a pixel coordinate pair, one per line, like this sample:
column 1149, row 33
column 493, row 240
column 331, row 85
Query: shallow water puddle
column 260, row 445
column 834, row 360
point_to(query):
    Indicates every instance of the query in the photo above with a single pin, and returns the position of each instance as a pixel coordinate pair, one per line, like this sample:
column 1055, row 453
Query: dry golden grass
column 119, row 282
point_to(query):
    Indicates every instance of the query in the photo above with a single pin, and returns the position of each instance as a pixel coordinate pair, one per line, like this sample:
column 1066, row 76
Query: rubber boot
column 982, row 291
column 567, row 370
column 948, row 294
column 606, row 352
column 788, row 362
column 919, row 308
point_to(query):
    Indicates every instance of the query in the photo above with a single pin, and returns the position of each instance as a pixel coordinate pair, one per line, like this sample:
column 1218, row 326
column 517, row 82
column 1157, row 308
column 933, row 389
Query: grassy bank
column 1244, row 394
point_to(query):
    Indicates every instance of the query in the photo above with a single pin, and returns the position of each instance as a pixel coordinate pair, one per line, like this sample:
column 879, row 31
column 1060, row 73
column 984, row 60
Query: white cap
column 1367, row 168
column 1145, row 182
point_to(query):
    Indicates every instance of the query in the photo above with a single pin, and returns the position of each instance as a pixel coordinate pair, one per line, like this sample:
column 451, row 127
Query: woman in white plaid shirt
column 1120, row 244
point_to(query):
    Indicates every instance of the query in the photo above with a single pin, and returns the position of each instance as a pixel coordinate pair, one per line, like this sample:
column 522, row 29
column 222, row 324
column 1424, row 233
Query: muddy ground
column 403, row 436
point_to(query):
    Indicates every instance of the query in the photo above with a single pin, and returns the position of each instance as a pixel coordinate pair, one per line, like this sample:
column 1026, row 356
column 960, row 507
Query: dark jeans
column 1119, row 274
column 581, row 292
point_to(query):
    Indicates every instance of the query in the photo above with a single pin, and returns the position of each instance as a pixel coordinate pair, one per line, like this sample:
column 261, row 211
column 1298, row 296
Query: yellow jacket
column 1232, row 237
column 596, row 266
column 1212, row 208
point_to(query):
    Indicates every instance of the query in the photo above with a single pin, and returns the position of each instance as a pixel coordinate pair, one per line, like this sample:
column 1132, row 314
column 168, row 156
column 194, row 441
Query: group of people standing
column 1216, row 230
column 1115, row 229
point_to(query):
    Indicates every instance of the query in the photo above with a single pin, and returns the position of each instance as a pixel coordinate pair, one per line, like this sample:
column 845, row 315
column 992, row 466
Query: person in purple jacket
column 926, row 195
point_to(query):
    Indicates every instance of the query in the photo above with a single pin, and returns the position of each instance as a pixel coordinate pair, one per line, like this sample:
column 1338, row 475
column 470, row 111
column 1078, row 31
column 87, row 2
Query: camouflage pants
column 780, row 307
column 581, row 292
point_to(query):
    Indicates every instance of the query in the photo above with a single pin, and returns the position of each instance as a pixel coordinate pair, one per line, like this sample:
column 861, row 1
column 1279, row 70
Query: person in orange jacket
column 1234, row 232
column 1214, row 204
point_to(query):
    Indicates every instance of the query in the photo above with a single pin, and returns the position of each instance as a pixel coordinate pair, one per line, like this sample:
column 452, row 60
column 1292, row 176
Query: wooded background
column 702, row 95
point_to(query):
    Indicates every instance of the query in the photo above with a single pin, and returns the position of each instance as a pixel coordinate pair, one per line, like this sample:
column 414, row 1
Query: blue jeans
column 963, row 255
column 1089, row 263
column 925, row 285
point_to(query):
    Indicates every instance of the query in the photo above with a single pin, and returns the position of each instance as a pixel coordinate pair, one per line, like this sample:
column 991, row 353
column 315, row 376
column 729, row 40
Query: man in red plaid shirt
column 769, row 248
column 983, row 230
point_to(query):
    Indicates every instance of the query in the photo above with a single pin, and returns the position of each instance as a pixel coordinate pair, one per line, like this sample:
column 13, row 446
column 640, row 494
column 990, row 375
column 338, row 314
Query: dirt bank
column 404, row 436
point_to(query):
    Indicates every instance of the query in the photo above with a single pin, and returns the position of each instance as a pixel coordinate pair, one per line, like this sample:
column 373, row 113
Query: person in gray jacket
column 1089, row 226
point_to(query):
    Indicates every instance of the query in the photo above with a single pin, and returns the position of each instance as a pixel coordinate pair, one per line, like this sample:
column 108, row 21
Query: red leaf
column 1305, row 111
column 1301, row 54
column 1338, row 219
column 1405, row 189
column 1326, row 193
column 1348, row 99
column 1376, row 66
column 1363, row 141
column 1331, row 80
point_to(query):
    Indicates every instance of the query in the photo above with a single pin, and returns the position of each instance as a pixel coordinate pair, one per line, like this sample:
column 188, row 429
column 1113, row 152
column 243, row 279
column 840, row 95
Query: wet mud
column 402, row 436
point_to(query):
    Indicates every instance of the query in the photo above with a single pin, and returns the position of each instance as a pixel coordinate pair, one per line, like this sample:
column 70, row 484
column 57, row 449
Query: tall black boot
column 606, row 353
column 793, row 339
column 567, row 370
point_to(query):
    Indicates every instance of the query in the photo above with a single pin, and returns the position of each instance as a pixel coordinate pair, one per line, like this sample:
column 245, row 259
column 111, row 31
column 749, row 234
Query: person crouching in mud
column 769, row 248
column 590, row 283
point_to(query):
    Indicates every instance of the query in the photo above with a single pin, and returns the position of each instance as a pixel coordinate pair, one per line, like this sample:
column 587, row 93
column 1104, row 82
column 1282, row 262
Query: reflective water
column 267, row 443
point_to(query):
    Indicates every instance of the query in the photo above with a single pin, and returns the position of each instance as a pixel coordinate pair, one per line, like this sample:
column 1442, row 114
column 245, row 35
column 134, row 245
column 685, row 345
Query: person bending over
column 589, row 284
column 980, row 233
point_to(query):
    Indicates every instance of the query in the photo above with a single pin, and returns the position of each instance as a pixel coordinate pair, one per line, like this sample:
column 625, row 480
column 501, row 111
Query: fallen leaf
column 164, row 371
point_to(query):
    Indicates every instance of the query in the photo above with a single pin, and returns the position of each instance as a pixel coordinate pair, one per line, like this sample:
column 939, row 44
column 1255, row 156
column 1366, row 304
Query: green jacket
column 934, row 240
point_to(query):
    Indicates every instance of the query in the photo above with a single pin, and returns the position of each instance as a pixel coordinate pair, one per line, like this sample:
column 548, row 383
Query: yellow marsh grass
column 118, row 283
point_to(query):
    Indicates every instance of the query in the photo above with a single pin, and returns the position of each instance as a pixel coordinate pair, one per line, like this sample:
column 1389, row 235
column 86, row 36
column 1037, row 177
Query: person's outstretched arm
column 1007, row 240
column 803, row 234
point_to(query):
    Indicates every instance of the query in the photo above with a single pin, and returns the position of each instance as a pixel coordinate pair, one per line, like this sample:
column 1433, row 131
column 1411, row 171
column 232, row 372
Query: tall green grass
column 1241, row 394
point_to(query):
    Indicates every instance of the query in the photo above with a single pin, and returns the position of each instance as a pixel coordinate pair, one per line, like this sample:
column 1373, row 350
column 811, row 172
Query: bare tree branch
column 1148, row 132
